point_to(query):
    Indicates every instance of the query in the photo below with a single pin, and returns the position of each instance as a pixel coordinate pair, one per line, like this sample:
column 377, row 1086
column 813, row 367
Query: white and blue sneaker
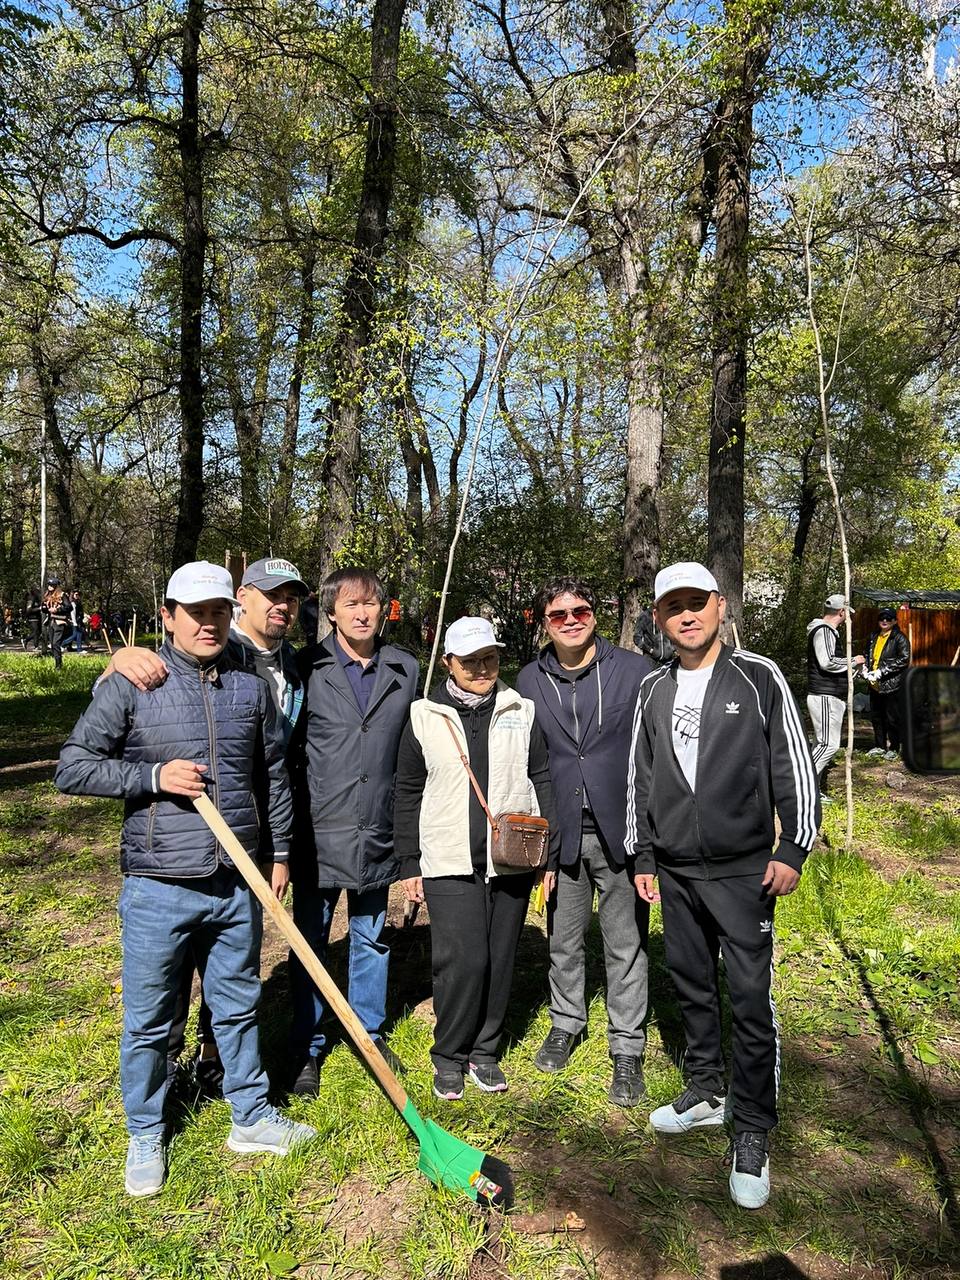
column 146, row 1165
column 274, row 1133
column 750, row 1171
column 690, row 1111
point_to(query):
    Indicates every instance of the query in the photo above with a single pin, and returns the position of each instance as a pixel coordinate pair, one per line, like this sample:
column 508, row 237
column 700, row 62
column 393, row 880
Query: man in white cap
column 269, row 598
column 717, row 746
column 210, row 724
column 827, row 683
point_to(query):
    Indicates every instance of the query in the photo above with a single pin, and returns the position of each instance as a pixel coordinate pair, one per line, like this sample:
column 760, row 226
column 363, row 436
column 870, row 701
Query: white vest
column 445, row 808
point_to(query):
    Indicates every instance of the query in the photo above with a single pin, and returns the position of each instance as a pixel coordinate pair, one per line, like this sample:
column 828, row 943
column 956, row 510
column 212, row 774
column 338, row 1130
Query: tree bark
column 283, row 488
column 732, row 140
column 192, row 262
column 360, row 292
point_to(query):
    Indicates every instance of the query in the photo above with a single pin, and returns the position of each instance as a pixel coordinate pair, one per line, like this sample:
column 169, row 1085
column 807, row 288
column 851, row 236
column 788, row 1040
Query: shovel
column 444, row 1159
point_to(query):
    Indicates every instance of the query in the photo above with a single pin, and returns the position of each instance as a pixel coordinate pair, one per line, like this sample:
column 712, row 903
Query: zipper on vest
column 212, row 734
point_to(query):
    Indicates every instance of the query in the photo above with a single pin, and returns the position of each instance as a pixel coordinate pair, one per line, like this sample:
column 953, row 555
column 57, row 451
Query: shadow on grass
column 775, row 1266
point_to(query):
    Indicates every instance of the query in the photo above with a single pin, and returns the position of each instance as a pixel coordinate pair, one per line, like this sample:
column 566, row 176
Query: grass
column 865, row 1159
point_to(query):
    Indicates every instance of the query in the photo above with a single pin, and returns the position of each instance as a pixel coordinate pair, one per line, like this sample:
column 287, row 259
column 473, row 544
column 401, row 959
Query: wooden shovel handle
column 331, row 993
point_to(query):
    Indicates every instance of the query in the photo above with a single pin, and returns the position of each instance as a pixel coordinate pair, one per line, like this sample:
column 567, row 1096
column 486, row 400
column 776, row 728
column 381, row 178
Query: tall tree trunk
column 732, row 140
column 192, row 260
column 69, row 526
column 283, row 486
column 359, row 301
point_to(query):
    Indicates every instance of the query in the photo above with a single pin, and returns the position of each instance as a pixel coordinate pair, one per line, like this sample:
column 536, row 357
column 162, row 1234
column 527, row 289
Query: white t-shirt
column 691, row 686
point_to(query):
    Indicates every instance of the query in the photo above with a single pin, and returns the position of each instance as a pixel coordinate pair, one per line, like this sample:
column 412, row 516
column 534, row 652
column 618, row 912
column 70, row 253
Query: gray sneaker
column 891, row 755
column 875, row 751
column 274, row 1132
column 689, row 1111
column 146, row 1165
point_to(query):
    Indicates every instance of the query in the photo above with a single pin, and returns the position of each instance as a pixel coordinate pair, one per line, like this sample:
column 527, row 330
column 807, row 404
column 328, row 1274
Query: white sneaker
column 274, row 1133
column 146, row 1165
column 689, row 1111
column 750, row 1171
column 875, row 751
column 891, row 755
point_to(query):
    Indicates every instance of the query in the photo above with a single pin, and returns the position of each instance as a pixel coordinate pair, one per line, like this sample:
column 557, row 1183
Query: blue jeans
column 167, row 924
column 313, row 910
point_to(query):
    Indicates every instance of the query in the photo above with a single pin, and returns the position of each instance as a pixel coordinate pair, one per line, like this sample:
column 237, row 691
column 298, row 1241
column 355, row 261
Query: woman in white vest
column 442, row 838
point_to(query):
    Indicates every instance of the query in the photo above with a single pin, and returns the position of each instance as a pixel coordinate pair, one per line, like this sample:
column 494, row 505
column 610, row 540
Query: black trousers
column 474, row 930
column 885, row 717
column 732, row 916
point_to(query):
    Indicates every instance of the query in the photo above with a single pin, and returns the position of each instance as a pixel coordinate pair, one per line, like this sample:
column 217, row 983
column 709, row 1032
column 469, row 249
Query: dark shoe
column 487, row 1076
column 554, row 1053
column 448, row 1084
column 750, row 1172
column 307, row 1083
column 391, row 1059
column 208, row 1074
column 627, row 1086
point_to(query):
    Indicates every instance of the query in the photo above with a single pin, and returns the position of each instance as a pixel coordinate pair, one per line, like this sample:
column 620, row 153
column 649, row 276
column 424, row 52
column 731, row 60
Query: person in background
column 584, row 689
column 57, row 605
column 827, row 684
column 884, row 667
column 442, row 836
column 75, row 637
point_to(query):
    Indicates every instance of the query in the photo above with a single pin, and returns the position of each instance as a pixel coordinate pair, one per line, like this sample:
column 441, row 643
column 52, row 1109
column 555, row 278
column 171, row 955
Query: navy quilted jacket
column 217, row 715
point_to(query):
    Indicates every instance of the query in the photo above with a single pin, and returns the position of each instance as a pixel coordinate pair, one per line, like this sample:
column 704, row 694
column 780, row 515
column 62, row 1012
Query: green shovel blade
column 450, row 1163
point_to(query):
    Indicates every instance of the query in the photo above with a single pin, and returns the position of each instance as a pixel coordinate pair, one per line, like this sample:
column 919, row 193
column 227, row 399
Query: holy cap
column 200, row 580
column 687, row 573
column 836, row 603
column 468, row 635
column 267, row 574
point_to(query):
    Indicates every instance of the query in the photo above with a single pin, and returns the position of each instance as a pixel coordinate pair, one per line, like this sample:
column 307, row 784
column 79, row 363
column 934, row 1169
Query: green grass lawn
column 865, row 1162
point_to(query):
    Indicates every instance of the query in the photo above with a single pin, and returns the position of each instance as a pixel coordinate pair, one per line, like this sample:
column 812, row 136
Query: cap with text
column 687, row 573
column 200, row 580
column 271, row 573
column 836, row 603
column 470, row 635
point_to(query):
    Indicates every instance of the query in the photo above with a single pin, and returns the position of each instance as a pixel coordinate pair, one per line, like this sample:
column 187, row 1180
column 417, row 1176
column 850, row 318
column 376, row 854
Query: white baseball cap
column 469, row 635
column 836, row 603
column 687, row 573
column 200, row 580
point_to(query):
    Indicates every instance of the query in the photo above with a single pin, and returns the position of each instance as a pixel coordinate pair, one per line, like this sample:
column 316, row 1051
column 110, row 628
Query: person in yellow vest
column 887, row 658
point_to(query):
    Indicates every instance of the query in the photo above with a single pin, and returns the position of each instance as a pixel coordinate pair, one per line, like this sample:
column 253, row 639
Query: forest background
column 269, row 268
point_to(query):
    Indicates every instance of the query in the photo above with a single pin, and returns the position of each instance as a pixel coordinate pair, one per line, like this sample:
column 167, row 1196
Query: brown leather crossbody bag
column 519, row 840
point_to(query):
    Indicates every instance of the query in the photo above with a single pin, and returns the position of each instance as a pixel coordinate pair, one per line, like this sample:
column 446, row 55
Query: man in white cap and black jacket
column 718, row 745
column 827, row 683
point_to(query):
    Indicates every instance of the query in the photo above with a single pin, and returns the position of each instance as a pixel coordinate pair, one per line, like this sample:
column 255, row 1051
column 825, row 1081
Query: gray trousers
column 826, row 716
column 624, row 924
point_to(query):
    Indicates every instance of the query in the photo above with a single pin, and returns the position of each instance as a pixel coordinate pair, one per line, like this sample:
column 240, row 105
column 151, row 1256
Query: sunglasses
column 580, row 614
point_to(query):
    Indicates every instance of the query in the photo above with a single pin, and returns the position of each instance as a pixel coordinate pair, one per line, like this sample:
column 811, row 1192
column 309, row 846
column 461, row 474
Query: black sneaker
column 750, row 1171
column 554, row 1053
column 448, row 1084
column 627, row 1086
column 307, row 1083
column 487, row 1076
column 208, row 1074
column 391, row 1059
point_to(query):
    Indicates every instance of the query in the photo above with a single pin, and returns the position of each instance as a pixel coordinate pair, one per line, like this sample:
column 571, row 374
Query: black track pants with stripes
column 731, row 916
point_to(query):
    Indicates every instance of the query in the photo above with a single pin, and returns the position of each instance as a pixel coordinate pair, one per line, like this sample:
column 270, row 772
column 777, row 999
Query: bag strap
column 476, row 785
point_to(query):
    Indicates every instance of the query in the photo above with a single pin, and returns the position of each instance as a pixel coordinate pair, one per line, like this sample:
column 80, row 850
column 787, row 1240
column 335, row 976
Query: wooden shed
column 929, row 619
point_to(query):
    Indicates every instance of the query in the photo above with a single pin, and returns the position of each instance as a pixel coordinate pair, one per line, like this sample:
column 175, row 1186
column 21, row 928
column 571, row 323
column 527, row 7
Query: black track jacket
column 753, row 757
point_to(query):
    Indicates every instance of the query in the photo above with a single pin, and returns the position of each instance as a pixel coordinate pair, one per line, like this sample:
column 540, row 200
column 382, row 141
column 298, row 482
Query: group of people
column 882, row 665
column 657, row 782
column 55, row 620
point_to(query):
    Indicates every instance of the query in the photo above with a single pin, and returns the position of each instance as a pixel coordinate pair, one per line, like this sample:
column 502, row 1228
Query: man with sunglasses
column 584, row 689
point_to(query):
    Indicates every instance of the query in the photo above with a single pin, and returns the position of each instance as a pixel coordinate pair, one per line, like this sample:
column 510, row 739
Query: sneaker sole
column 253, row 1148
column 486, row 1088
column 709, row 1122
column 141, row 1193
column 448, row 1097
